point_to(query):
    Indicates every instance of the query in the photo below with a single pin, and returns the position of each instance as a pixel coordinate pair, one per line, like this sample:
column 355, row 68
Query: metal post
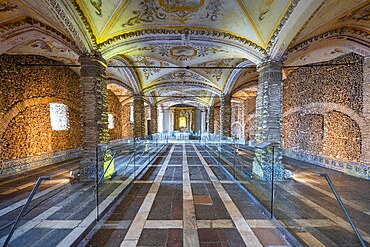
column 97, row 181
column 33, row 192
column 272, row 181
column 219, row 150
column 343, row 208
column 134, row 155
column 234, row 160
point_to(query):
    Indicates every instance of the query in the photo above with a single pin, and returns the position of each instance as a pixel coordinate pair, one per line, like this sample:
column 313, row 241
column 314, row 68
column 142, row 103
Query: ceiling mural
column 266, row 15
column 47, row 47
column 183, row 52
column 217, row 71
column 184, row 93
column 121, row 93
column 171, row 49
column 179, row 11
column 97, row 5
column 14, row 11
column 246, row 93
column 114, row 70
column 182, row 75
column 6, row 6
column 148, row 74
column 118, row 17
column 331, row 16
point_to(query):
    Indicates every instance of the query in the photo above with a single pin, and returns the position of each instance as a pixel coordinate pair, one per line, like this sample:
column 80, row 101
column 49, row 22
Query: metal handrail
column 342, row 206
column 25, row 206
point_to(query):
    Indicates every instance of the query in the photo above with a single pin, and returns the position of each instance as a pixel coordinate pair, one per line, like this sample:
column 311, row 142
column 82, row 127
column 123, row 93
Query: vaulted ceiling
column 184, row 50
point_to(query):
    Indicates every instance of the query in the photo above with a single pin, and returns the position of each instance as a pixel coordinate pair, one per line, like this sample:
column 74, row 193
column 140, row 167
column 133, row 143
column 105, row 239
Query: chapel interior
column 184, row 123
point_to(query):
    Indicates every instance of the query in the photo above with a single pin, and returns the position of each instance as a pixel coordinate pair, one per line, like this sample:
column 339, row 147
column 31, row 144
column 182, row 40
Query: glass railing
column 62, row 198
column 124, row 163
column 303, row 207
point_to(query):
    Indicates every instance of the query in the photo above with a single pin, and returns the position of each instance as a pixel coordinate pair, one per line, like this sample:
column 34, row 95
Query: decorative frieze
column 28, row 21
column 343, row 32
column 6, row 6
column 10, row 167
column 59, row 10
column 285, row 18
column 353, row 168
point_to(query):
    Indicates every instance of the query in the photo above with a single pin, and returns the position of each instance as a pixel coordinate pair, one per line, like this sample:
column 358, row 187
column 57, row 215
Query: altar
column 182, row 121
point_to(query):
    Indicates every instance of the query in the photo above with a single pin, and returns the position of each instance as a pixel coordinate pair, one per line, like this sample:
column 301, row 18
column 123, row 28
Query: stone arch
column 111, row 80
column 237, row 130
column 199, row 101
column 198, row 85
column 29, row 121
column 337, row 43
column 344, row 135
column 21, row 106
column 327, row 108
column 321, row 108
column 34, row 30
column 246, row 48
column 131, row 74
column 127, row 130
column 234, row 77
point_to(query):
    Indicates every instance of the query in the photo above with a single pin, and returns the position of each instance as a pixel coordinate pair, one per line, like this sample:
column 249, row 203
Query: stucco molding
column 359, row 36
column 11, row 30
column 190, row 84
column 65, row 16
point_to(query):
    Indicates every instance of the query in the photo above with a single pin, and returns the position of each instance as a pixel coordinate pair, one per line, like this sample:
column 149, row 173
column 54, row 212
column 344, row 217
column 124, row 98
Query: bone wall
column 25, row 94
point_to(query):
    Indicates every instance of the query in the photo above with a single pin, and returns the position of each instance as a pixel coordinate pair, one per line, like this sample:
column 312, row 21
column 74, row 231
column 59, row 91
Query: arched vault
column 154, row 44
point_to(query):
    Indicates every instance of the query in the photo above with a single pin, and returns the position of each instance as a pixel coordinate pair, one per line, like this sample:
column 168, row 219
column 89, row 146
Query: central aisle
column 186, row 199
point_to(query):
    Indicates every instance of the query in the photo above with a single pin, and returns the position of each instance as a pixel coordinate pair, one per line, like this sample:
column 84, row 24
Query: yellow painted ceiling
column 194, row 33
column 253, row 20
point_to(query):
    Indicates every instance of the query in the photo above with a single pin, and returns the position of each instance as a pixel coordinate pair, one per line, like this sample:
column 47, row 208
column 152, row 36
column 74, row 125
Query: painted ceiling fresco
column 176, row 48
column 231, row 16
column 121, row 93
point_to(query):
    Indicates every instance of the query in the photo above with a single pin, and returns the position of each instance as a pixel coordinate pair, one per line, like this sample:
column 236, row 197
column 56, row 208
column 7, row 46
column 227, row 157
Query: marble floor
column 185, row 201
column 180, row 195
column 63, row 210
column 305, row 205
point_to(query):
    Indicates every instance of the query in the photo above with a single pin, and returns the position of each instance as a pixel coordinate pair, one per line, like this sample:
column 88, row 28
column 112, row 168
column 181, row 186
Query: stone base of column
column 262, row 165
column 88, row 164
